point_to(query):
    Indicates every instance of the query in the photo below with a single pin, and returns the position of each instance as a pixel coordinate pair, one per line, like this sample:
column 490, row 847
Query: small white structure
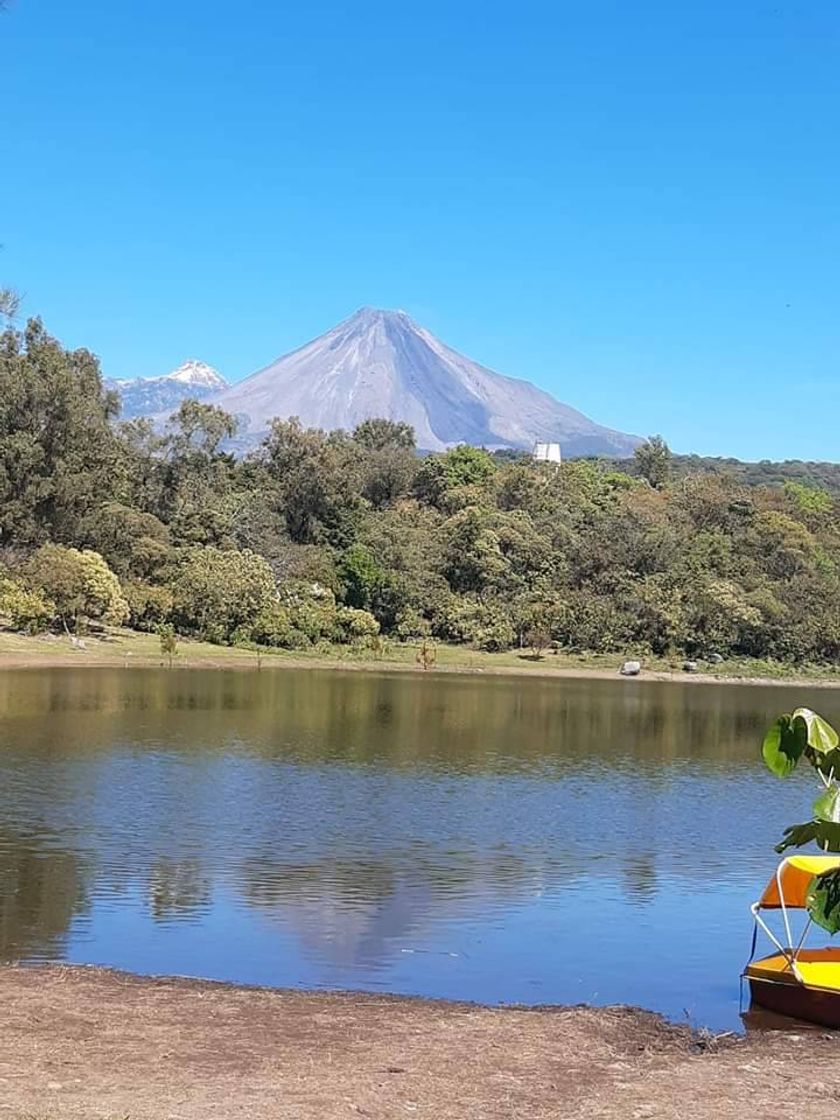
column 547, row 453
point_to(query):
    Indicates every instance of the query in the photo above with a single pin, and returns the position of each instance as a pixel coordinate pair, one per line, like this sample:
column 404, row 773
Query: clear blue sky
column 635, row 205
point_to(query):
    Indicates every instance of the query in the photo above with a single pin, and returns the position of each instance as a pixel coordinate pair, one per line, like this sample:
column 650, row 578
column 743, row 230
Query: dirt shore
column 89, row 1044
column 131, row 649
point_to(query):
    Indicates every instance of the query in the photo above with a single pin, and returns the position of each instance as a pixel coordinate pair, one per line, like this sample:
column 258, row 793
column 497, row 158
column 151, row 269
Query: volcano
column 146, row 396
column 382, row 363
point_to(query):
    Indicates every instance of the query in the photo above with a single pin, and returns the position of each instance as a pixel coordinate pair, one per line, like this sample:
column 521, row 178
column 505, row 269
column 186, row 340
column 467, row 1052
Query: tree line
column 318, row 537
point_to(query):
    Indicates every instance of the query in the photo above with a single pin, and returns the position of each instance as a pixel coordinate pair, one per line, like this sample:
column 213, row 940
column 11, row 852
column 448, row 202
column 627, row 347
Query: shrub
column 149, row 605
column 26, row 609
column 79, row 582
column 355, row 626
column 486, row 626
column 168, row 641
column 218, row 591
column 272, row 626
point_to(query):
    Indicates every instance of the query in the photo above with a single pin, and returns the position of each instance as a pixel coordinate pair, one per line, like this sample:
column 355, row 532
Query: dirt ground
column 125, row 649
column 88, row 1043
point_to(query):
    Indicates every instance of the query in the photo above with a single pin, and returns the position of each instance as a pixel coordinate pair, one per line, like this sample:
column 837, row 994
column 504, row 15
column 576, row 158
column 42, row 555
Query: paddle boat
column 797, row 981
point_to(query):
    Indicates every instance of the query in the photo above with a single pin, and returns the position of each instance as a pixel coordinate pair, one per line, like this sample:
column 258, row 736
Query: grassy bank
column 79, row 1043
column 129, row 648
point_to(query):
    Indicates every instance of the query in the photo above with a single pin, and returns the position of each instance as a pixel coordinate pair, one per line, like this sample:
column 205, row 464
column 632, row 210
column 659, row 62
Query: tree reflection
column 450, row 723
column 360, row 811
column 178, row 889
column 42, row 889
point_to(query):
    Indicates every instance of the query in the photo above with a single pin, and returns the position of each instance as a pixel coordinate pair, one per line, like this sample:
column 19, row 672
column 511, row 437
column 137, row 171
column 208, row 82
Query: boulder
column 631, row 668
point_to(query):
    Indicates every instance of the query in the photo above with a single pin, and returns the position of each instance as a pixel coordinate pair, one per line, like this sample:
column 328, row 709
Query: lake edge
column 22, row 652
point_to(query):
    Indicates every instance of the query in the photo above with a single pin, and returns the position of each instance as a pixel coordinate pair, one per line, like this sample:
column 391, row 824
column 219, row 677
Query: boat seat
column 818, row 968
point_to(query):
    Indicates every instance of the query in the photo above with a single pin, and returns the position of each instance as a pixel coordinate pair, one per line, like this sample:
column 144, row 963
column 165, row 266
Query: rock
column 631, row 668
column 689, row 666
column 714, row 659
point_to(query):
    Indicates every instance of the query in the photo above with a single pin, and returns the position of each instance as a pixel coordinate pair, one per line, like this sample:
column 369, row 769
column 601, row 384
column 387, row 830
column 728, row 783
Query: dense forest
column 352, row 537
column 819, row 476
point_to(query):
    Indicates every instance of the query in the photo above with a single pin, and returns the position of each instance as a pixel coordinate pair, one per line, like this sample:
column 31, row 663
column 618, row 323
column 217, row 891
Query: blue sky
column 636, row 206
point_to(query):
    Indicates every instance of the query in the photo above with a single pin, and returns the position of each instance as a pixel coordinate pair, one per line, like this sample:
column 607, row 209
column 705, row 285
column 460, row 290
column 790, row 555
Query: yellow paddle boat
column 803, row 983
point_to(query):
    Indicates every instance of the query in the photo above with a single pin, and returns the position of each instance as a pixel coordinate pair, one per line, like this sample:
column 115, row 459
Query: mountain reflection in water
column 499, row 839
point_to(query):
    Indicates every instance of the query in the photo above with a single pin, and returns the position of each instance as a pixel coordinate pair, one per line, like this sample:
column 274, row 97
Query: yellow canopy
column 794, row 874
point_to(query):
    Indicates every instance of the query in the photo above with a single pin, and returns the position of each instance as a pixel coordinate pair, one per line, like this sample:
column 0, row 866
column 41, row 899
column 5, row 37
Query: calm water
column 491, row 839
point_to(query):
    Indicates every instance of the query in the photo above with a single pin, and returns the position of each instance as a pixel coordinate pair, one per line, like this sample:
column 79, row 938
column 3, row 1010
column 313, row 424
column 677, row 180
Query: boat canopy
column 789, row 885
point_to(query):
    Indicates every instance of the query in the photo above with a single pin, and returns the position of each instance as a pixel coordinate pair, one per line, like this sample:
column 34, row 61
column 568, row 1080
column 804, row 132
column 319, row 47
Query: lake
column 492, row 839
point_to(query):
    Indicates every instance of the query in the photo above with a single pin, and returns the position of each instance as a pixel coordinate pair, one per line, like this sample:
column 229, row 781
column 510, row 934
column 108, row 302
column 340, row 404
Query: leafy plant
column 823, row 900
column 26, row 609
column 803, row 734
column 79, row 582
column 168, row 641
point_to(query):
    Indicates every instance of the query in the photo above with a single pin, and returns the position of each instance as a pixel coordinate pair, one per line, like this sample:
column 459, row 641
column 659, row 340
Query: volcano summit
column 381, row 363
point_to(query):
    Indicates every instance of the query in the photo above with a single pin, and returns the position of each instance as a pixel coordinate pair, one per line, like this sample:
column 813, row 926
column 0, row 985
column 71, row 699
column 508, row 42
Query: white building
column 547, row 453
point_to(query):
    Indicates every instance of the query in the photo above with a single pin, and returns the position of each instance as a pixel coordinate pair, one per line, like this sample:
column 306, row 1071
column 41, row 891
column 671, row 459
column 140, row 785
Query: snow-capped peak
column 194, row 372
column 148, row 396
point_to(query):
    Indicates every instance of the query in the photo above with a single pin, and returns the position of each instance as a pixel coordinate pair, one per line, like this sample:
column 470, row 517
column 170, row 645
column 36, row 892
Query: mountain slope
column 381, row 363
column 146, row 396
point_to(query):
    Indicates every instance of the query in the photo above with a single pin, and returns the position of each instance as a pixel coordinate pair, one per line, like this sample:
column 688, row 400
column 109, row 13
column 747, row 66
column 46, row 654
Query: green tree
column 199, row 474
column 383, row 435
column 272, row 625
column 315, row 480
column 217, row 591
column 808, row 500
column 79, row 582
column 134, row 543
column 388, row 462
column 471, row 554
column 357, row 627
column 168, row 641
column 25, row 608
column 149, row 604
column 361, row 576
column 461, row 467
column 313, row 614
column 653, row 461
column 58, row 450
column 484, row 624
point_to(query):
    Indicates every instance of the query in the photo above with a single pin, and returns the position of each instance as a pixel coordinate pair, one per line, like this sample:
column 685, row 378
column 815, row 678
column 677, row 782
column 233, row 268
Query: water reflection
column 493, row 839
column 178, row 888
column 42, row 889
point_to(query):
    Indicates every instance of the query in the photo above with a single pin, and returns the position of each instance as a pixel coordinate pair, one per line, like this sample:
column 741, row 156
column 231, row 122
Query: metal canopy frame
column 790, row 950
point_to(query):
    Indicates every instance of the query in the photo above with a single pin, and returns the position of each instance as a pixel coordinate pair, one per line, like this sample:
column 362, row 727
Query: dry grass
column 87, row 1044
column 130, row 648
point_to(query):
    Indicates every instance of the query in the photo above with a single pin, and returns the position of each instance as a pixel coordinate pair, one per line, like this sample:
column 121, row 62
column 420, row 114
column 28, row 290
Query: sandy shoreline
column 83, row 1043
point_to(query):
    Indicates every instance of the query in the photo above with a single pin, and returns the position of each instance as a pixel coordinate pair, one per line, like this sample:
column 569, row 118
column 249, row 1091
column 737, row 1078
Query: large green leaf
column 825, row 834
column 820, row 735
column 798, row 835
column 823, row 900
column 827, row 805
column 784, row 745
